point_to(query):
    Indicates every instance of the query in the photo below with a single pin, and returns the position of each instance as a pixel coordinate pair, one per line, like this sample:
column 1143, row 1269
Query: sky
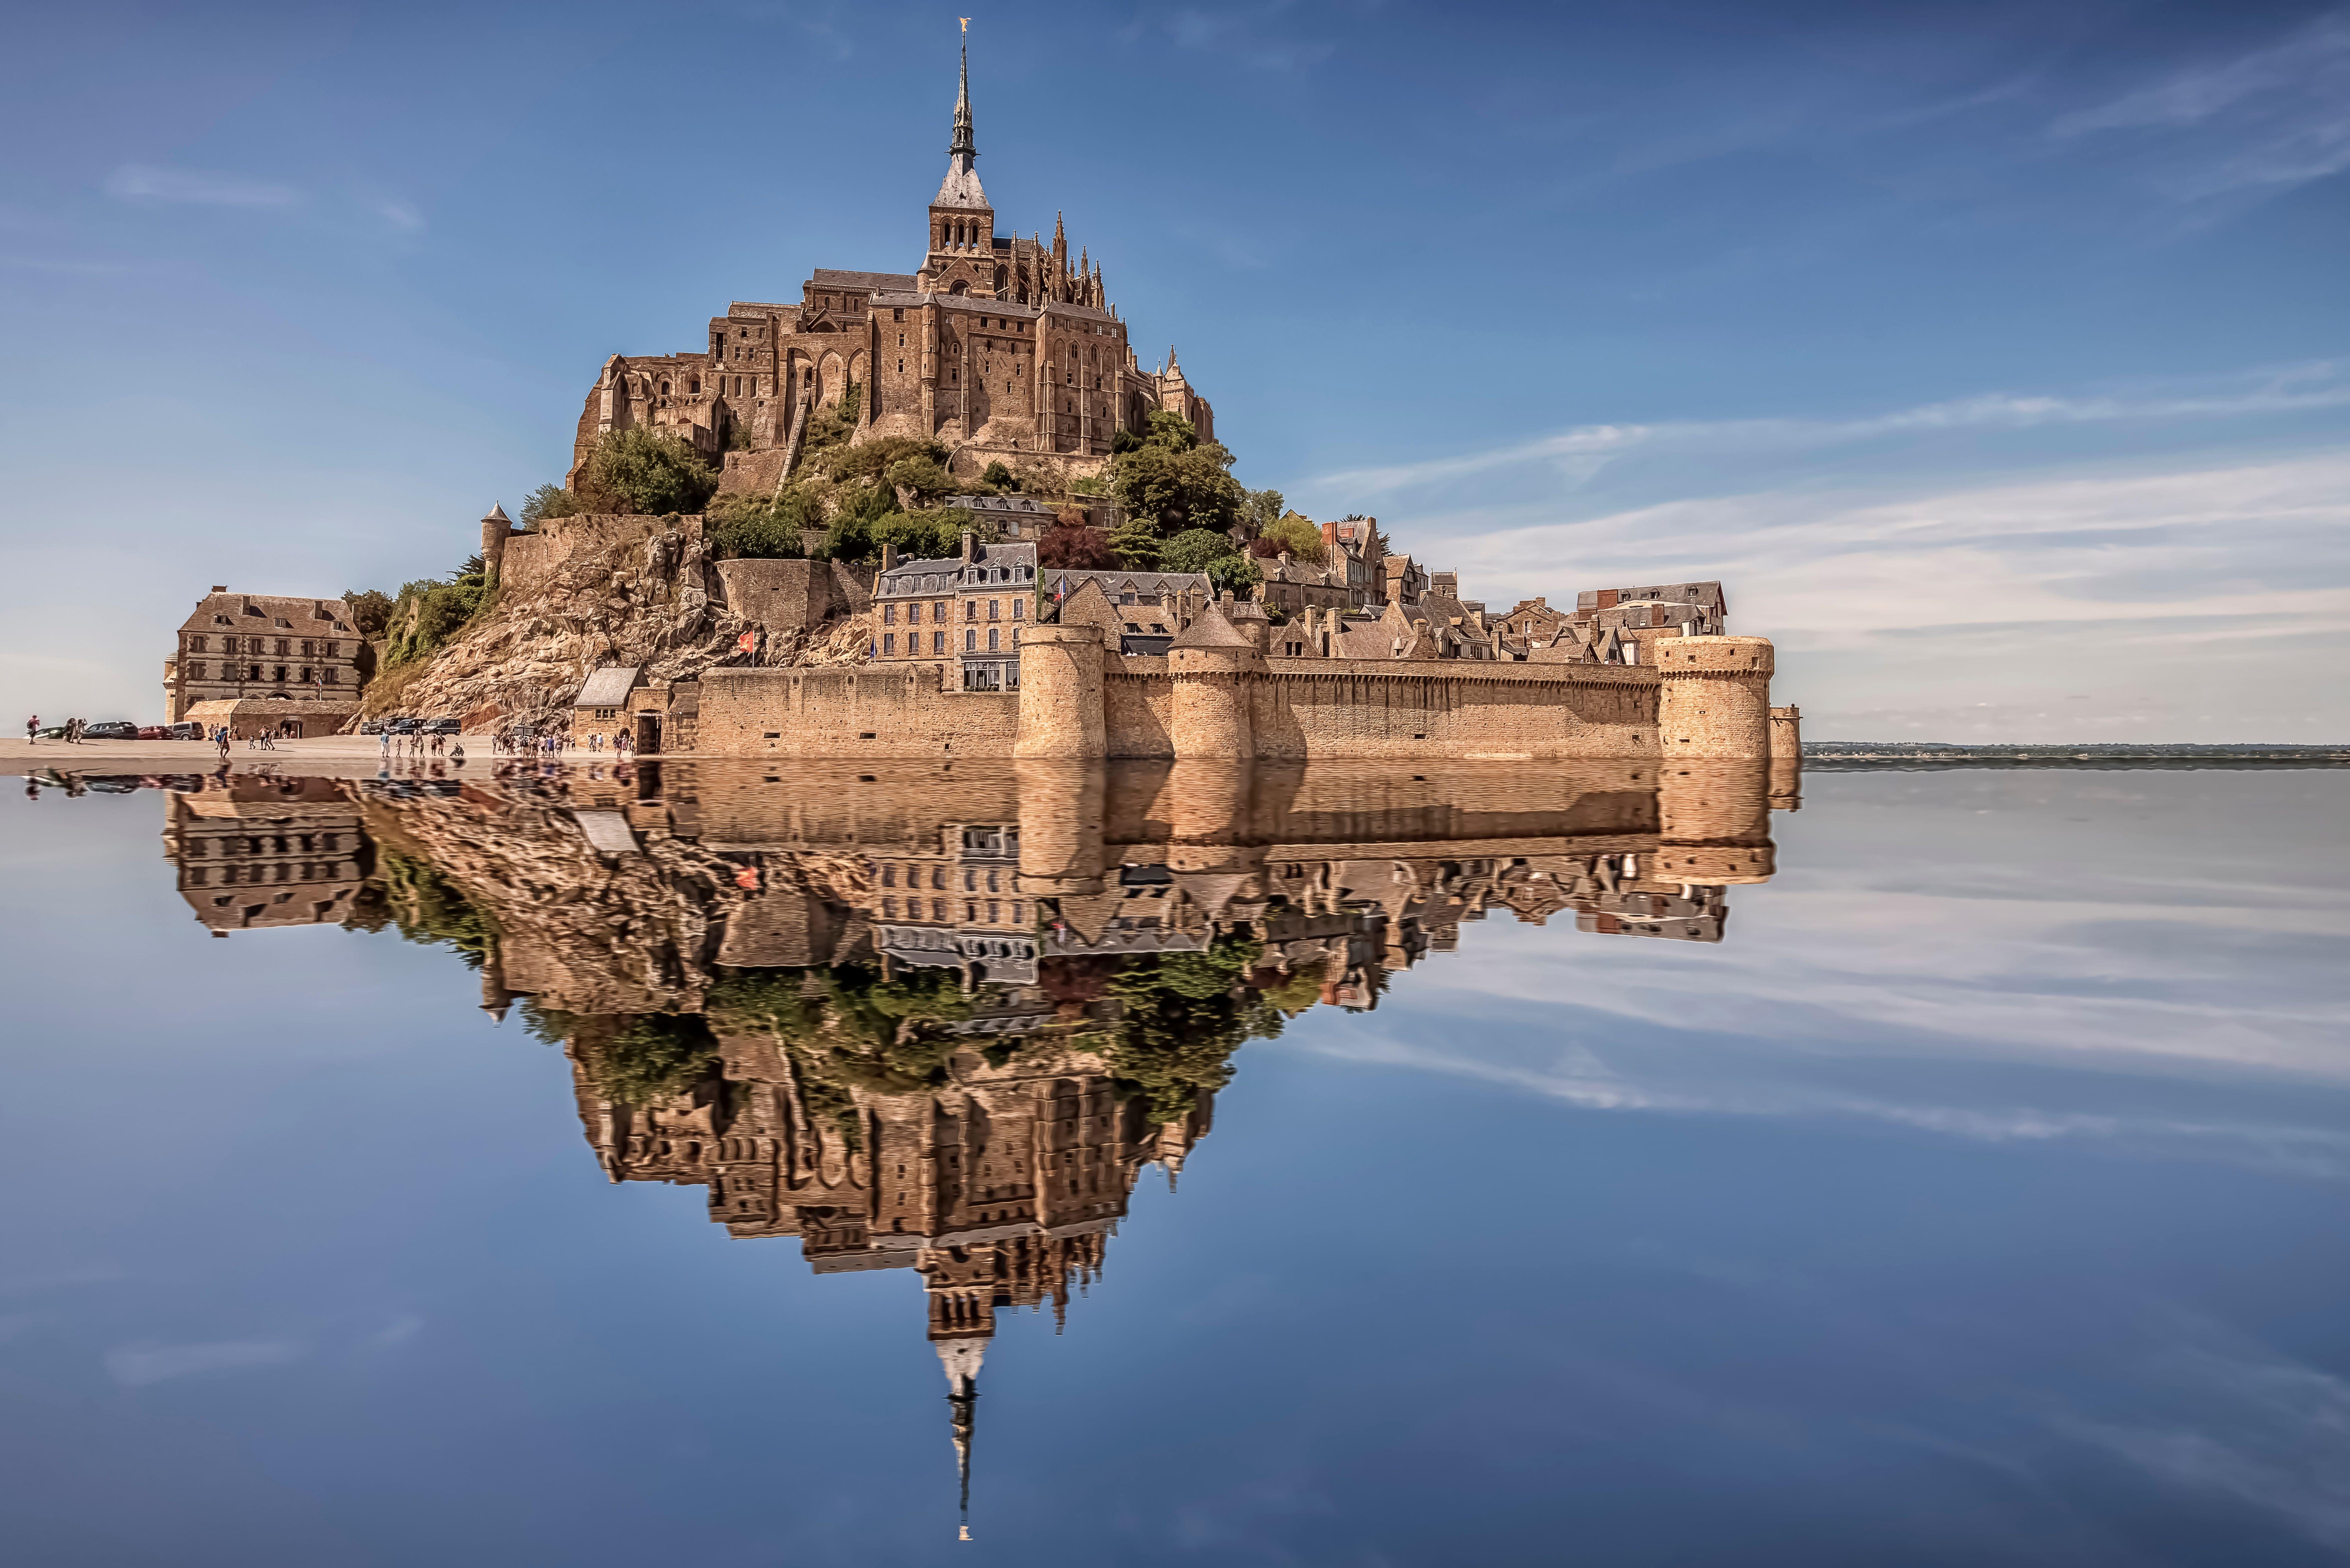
column 1995, row 356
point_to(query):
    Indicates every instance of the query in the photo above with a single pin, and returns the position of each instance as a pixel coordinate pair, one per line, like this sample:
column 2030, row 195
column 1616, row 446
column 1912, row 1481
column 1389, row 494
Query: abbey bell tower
column 962, row 247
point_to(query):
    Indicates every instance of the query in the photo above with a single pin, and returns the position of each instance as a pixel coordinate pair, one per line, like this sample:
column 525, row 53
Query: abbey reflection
column 938, row 1019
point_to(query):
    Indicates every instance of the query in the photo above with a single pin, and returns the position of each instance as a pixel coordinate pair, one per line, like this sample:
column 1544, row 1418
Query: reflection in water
column 940, row 1020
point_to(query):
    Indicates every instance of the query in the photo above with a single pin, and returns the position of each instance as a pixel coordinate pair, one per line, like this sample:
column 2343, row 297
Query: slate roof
column 1211, row 629
column 865, row 282
column 1114, row 582
column 607, row 688
column 226, row 612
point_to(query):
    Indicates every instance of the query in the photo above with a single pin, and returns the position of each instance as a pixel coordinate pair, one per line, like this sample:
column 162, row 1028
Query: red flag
column 748, row 641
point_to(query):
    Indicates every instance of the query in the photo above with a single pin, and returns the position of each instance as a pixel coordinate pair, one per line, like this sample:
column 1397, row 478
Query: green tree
column 1260, row 511
column 1180, row 1018
column 646, row 473
column 1193, row 549
column 548, row 501
column 1183, row 488
column 653, row 1056
column 370, row 610
column 1293, row 534
column 1135, row 542
column 1234, row 574
column 998, row 478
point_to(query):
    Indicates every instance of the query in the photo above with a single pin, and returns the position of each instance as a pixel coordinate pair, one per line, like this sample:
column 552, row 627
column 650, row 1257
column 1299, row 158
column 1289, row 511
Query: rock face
column 650, row 598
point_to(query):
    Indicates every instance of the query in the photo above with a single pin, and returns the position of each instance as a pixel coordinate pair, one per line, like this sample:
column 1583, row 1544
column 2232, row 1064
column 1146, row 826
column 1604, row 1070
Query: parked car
column 54, row 733
column 111, row 730
column 402, row 726
column 440, row 726
column 150, row 731
column 370, row 726
column 185, row 730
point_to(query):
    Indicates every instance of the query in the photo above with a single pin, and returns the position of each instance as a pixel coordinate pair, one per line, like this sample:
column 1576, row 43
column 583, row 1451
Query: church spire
column 965, row 148
column 961, row 1358
column 961, row 187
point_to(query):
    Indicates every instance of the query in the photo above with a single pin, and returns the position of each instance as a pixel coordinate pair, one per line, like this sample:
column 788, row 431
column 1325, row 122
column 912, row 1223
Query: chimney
column 220, row 587
column 967, row 543
column 889, row 555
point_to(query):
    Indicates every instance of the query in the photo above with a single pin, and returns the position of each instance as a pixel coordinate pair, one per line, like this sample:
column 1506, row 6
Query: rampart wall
column 1076, row 702
column 862, row 711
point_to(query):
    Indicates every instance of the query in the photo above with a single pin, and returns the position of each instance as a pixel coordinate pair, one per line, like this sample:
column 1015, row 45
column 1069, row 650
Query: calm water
column 1956, row 1174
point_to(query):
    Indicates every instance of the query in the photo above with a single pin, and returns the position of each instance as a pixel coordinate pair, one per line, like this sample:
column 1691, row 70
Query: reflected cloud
column 137, row 1366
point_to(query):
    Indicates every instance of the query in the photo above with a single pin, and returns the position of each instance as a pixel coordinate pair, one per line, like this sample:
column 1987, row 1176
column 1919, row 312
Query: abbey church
column 998, row 348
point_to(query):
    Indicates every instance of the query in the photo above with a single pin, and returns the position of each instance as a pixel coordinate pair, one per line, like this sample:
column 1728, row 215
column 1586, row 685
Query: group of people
column 518, row 741
column 72, row 736
column 622, row 743
column 417, row 745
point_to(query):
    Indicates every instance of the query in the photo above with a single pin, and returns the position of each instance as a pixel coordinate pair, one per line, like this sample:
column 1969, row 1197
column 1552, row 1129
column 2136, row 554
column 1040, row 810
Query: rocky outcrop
column 655, row 601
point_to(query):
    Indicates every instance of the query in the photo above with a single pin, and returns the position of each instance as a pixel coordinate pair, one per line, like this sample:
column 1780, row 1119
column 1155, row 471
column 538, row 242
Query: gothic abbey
column 998, row 348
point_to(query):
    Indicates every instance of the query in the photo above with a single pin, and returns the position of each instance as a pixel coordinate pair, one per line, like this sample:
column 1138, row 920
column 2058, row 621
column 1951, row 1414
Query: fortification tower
column 1787, row 759
column 1713, row 699
column 1213, row 666
column 497, row 529
column 1060, row 694
column 1062, row 805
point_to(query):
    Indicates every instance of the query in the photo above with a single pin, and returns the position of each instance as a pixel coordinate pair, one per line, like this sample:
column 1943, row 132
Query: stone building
column 234, row 647
column 1000, row 348
column 972, row 608
column 254, row 853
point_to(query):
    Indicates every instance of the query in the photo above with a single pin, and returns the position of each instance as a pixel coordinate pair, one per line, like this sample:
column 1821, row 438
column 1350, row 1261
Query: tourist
column 457, row 754
column 33, row 731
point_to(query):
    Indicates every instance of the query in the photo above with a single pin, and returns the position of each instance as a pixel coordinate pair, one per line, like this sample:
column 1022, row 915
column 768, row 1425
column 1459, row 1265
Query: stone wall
column 528, row 560
column 863, row 711
column 784, row 595
column 1078, row 702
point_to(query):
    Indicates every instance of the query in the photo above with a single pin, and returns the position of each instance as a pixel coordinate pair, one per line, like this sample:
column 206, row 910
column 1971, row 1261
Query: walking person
column 33, row 731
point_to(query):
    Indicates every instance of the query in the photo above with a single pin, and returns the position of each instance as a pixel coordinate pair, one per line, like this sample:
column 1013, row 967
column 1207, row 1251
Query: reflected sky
column 1978, row 1196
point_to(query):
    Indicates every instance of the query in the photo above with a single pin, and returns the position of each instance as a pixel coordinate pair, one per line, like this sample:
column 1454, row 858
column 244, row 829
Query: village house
column 971, row 606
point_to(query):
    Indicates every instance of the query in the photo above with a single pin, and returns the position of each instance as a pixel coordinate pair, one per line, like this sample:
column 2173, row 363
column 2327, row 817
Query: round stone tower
column 1213, row 666
column 1060, row 693
column 1713, row 700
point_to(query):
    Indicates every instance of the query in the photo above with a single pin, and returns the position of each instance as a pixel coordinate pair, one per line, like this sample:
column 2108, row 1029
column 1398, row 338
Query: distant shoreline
column 1835, row 756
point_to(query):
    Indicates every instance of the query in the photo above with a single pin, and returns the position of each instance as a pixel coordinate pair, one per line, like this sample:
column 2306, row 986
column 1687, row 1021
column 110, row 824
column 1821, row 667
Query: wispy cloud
column 2267, row 1430
column 1252, row 36
column 2276, row 117
column 196, row 187
column 1580, row 449
column 136, row 1366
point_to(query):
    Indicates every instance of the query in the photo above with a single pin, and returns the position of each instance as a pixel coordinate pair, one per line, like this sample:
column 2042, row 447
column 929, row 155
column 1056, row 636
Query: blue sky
column 1996, row 357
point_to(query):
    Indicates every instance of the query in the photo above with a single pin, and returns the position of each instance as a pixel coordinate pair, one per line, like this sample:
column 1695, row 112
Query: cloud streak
column 146, row 182
column 2289, row 389
column 137, row 1366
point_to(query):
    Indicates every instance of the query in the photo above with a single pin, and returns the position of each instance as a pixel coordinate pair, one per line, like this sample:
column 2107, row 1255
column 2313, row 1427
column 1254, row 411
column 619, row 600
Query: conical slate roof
column 1211, row 630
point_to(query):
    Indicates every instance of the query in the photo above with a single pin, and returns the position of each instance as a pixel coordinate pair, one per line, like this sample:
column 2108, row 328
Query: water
column 1955, row 1175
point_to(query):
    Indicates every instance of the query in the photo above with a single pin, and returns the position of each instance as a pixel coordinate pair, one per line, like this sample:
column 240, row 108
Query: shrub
column 998, row 478
column 645, row 472
column 1077, row 548
column 743, row 527
column 922, row 478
